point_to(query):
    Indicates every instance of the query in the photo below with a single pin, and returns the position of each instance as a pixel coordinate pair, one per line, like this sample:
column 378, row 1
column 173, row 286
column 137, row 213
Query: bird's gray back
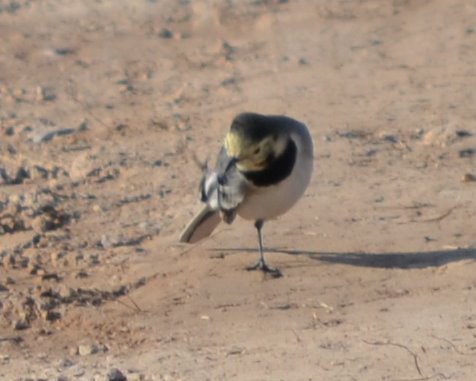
column 297, row 130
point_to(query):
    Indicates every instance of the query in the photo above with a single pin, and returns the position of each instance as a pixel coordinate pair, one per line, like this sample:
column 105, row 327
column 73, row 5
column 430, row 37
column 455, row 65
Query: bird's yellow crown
column 252, row 154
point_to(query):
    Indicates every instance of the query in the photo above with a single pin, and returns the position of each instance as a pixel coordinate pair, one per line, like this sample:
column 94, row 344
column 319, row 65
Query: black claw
column 260, row 265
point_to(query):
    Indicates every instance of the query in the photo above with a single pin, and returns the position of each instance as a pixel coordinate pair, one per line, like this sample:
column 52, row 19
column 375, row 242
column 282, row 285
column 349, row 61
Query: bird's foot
column 261, row 265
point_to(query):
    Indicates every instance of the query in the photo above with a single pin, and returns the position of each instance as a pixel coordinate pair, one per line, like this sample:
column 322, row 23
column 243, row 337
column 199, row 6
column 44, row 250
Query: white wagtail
column 262, row 170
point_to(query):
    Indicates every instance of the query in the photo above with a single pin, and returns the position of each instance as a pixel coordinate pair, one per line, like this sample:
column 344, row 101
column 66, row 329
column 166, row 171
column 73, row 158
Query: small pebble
column 45, row 136
column 468, row 152
column 165, row 33
column 21, row 175
column 116, row 375
column 87, row 349
column 468, row 177
column 135, row 377
column 66, row 363
column 64, row 51
column 45, row 93
column 463, row 134
column 20, row 325
column 38, row 172
column 52, row 315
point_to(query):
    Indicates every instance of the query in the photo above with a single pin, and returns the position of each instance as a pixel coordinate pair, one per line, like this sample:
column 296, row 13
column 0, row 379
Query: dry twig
column 13, row 339
column 298, row 339
column 134, row 303
column 414, row 355
column 439, row 218
column 452, row 345
column 135, row 307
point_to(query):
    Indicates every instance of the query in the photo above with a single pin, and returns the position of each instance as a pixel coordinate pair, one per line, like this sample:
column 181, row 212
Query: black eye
column 257, row 150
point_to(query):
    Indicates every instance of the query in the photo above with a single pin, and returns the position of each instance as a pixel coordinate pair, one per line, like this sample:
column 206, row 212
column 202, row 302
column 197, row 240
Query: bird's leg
column 261, row 264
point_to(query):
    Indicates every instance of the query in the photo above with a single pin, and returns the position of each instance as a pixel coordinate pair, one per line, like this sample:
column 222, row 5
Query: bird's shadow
column 410, row 260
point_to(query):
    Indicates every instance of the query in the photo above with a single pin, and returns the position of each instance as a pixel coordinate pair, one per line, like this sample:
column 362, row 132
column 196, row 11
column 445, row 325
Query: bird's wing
column 232, row 185
column 222, row 190
column 225, row 187
column 201, row 225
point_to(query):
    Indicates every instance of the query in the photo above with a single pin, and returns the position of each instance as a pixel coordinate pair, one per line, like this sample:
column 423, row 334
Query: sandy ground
column 103, row 105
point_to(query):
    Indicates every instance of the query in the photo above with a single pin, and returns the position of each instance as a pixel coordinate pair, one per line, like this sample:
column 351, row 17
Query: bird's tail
column 201, row 226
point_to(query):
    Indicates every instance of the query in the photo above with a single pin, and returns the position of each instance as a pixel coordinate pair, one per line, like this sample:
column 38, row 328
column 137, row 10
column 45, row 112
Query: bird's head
column 253, row 142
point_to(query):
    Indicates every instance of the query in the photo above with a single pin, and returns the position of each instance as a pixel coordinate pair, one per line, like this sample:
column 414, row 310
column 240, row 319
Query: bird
column 263, row 168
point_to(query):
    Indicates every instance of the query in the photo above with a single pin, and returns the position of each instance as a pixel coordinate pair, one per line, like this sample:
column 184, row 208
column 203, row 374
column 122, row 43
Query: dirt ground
column 103, row 105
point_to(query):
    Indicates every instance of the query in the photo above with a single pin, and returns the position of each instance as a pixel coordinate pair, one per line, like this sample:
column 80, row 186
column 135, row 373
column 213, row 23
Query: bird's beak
column 232, row 161
column 222, row 176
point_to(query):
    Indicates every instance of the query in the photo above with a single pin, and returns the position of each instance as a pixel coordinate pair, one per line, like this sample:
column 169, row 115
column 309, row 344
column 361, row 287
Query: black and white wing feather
column 222, row 190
